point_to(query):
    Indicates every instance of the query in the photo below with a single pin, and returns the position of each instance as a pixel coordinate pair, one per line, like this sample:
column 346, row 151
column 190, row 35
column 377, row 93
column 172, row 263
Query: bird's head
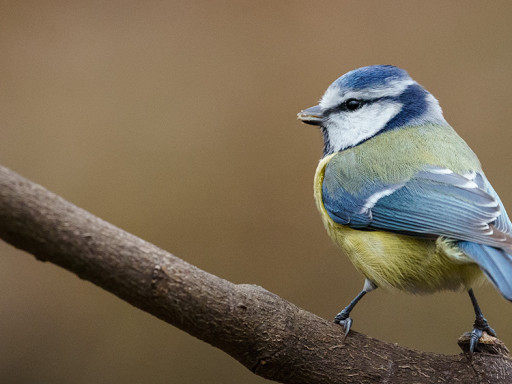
column 368, row 101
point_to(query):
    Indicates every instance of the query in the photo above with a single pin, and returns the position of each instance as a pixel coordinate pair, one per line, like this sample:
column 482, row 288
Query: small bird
column 403, row 195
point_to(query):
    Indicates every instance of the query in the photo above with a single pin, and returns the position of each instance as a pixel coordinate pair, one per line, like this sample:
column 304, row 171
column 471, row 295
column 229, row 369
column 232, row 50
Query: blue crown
column 373, row 76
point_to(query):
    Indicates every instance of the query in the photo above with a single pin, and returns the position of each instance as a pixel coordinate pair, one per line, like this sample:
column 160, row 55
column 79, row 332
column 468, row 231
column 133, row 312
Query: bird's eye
column 353, row 104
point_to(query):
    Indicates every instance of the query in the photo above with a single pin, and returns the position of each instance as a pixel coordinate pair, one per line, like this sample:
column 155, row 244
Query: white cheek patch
column 347, row 129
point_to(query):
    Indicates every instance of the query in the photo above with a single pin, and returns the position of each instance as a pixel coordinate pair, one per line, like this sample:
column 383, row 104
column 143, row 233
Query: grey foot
column 344, row 320
column 480, row 326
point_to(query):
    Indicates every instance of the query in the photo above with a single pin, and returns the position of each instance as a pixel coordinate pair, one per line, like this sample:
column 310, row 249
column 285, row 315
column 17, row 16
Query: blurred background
column 176, row 121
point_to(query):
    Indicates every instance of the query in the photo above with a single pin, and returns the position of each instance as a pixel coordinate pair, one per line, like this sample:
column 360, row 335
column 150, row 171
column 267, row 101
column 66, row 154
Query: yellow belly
column 397, row 261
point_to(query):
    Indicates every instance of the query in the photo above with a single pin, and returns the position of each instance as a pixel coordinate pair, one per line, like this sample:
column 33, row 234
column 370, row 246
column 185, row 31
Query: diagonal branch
column 268, row 335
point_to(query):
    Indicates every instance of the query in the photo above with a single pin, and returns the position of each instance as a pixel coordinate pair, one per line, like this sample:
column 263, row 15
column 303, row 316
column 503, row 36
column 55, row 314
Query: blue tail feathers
column 494, row 262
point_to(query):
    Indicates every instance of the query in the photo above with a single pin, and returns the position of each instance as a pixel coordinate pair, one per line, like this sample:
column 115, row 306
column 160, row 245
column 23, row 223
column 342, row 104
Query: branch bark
column 268, row 335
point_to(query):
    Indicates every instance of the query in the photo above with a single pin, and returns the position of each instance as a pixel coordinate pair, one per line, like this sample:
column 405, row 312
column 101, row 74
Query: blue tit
column 403, row 195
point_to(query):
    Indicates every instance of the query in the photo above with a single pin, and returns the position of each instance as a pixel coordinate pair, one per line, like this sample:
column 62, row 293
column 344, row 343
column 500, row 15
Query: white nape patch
column 434, row 111
column 334, row 95
column 346, row 129
column 373, row 199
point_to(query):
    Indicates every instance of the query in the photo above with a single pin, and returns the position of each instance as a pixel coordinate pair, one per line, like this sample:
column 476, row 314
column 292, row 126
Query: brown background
column 176, row 121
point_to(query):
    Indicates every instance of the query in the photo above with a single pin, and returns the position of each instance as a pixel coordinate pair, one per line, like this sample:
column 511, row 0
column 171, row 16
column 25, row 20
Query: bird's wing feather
column 433, row 202
column 502, row 223
column 495, row 262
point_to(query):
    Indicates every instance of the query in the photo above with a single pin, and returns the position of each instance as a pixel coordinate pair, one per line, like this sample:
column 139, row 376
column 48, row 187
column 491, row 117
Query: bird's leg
column 480, row 325
column 343, row 318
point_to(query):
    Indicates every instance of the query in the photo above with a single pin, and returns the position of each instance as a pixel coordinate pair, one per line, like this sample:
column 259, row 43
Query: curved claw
column 344, row 321
column 490, row 331
column 476, row 334
column 346, row 324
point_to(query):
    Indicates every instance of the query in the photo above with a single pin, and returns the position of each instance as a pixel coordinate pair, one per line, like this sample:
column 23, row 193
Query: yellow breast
column 397, row 261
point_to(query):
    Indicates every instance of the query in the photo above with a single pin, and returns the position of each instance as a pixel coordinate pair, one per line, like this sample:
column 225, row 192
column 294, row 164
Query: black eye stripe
column 344, row 108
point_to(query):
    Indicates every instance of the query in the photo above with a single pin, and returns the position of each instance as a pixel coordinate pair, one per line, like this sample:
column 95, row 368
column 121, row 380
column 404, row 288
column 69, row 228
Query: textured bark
column 270, row 336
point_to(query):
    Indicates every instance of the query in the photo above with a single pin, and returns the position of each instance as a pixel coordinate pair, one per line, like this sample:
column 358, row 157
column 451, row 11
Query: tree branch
column 268, row 335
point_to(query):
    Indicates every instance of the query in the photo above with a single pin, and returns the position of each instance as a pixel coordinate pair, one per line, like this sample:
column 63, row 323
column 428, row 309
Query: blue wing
column 434, row 202
column 502, row 223
column 495, row 262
